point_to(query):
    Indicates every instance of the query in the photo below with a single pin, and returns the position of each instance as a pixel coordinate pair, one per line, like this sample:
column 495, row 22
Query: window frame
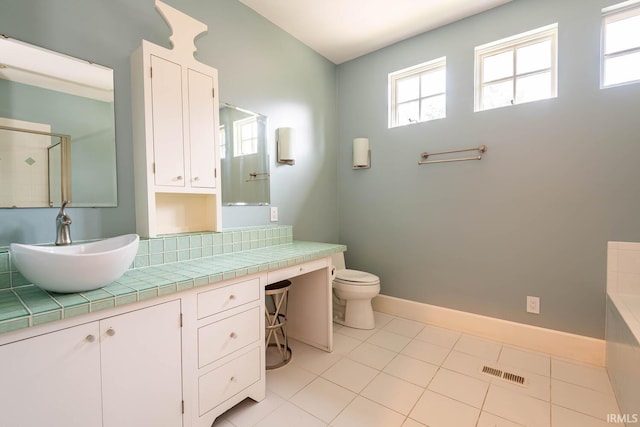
column 513, row 43
column 415, row 71
column 223, row 142
column 618, row 12
column 238, row 142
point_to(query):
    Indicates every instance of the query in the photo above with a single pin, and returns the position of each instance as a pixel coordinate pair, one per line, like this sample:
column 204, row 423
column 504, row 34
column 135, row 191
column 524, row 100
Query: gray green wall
column 533, row 217
column 260, row 67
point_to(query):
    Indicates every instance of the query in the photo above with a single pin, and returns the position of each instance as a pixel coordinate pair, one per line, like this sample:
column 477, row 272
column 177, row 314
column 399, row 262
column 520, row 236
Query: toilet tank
column 337, row 260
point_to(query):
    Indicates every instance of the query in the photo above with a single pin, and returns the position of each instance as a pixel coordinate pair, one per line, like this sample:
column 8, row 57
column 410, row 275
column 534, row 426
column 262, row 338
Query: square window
column 418, row 94
column 620, row 61
column 519, row 69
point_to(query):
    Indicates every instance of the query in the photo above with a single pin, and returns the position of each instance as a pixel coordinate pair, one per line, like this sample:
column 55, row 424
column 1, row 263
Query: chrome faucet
column 63, row 226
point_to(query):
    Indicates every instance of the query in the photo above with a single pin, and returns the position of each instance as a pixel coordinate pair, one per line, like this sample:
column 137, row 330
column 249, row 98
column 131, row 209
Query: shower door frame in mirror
column 244, row 157
column 57, row 94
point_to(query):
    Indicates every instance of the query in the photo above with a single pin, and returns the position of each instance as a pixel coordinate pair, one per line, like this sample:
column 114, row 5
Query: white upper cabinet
column 202, row 129
column 168, row 130
column 183, row 116
column 175, row 122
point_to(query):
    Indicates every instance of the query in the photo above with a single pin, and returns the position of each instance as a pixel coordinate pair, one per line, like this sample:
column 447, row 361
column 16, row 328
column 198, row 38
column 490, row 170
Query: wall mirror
column 244, row 157
column 57, row 129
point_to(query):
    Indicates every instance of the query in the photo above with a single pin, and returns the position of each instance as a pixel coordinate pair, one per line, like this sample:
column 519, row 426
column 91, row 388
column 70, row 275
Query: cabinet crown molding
column 184, row 28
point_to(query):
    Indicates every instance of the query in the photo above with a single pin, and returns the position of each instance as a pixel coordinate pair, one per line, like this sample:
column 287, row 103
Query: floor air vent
column 492, row 371
column 507, row 376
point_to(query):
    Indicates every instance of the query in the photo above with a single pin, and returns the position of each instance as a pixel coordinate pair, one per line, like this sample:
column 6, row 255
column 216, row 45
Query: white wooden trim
column 557, row 343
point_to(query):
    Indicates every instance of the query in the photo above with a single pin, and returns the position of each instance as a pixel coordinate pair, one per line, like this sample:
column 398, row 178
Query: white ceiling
column 341, row 30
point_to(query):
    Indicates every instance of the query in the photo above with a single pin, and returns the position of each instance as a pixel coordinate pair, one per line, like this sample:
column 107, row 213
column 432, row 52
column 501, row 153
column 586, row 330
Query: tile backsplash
column 179, row 247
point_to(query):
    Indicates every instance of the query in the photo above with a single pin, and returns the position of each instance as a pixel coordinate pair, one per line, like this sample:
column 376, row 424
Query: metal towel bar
column 253, row 176
column 481, row 149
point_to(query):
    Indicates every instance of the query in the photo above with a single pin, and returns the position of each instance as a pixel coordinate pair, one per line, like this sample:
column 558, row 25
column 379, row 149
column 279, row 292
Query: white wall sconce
column 361, row 153
column 284, row 142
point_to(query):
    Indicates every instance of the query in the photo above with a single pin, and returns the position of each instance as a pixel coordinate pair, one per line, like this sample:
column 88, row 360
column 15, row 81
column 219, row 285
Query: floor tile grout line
column 595, row 390
column 550, row 391
column 551, row 404
column 337, row 415
column 288, row 400
column 484, row 400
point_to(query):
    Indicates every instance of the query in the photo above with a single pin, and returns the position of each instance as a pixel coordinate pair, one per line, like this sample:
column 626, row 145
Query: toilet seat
column 356, row 278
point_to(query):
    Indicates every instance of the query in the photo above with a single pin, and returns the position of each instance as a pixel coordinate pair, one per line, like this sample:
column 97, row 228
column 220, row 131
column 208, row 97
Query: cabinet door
column 202, row 129
column 52, row 380
column 168, row 132
column 141, row 367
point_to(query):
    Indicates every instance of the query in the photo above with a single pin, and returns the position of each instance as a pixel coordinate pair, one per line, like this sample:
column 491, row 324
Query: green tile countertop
column 28, row 305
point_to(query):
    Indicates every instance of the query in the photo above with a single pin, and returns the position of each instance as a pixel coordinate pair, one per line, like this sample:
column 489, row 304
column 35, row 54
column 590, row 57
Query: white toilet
column 353, row 291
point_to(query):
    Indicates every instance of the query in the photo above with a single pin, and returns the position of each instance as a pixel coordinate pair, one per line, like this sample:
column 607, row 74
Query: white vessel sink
column 75, row 268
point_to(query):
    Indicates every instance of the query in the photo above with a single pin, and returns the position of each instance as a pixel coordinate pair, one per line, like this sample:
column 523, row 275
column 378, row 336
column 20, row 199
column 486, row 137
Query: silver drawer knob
column 232, row 297
column 233, row 335
column 90, row 338
column 111, row 332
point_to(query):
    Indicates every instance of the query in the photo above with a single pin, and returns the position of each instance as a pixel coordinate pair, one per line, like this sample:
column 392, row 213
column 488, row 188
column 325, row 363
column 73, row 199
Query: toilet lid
column 356, row 277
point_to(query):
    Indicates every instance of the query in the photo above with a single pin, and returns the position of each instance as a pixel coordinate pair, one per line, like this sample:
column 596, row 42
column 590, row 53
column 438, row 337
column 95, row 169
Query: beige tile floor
column 410, row 374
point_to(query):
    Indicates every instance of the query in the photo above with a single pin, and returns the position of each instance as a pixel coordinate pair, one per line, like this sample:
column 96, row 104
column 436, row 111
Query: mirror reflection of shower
column 37, row 165
column 244, row 157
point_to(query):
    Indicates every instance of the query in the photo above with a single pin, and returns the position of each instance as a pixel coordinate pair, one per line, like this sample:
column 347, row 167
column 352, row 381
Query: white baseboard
column 557, row 343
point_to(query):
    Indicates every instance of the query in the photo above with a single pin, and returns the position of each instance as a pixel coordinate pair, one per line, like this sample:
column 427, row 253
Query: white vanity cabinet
column 52, row 379
column 141, row 360
column 116, row 372
column 226, row 327
column 176, row 133
column 179, row 360
column 310, row 307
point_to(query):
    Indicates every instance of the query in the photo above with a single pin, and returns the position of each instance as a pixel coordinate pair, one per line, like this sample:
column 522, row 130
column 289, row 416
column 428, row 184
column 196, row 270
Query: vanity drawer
column 218, row 339
column 296, row 270
column 229, row 379
column 230, row 296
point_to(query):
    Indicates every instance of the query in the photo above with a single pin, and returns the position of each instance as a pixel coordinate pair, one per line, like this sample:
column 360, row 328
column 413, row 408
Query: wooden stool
column 276, row 324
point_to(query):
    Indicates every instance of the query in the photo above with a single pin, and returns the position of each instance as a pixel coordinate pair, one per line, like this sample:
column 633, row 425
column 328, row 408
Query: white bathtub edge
column 630, row 317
